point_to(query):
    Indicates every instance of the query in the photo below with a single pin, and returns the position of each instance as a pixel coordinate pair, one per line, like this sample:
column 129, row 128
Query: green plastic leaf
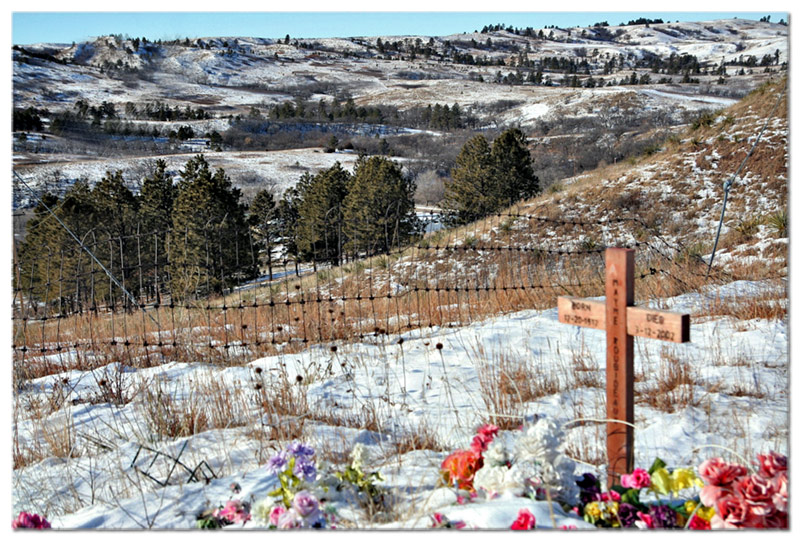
column 657, row 464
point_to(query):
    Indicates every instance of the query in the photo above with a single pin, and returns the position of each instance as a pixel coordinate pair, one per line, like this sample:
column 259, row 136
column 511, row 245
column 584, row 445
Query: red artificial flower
column 698, row 523
column 525, row 520
column 459, row 468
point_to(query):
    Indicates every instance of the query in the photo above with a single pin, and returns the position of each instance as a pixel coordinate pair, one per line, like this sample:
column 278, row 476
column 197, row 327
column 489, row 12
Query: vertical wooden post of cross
column 621, row 321
column 619, row 361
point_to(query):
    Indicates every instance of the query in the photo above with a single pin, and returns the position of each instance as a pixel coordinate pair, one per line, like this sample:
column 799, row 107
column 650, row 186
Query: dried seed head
column 334, row 349
column 439, row 345
column 299, row 378
column 259, row 369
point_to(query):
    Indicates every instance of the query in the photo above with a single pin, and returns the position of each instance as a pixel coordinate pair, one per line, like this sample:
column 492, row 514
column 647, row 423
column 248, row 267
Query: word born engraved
column 581, row 306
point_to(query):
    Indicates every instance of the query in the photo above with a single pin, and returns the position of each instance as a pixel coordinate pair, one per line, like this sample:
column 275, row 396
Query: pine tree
column 512, row 169
column 286, row 221
column 53, row 268
column 488, row 178
column 378, row 211
column 116, row 209
column 262, row 216
column 156, row 199
column 209, row 245
column 320, row 214
column 468, row 196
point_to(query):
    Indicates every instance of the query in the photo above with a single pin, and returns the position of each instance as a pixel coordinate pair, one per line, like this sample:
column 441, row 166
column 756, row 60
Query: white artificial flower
column 539, row 463
column 260, row 511
column 497, row 480
column 358, row 454
column 495, row 454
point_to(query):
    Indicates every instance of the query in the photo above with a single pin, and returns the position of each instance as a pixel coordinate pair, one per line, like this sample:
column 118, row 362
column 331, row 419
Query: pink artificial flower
column 709, row 494
column 645, row 519
column 305, row 503
column 610, row 496
column 441, row 521
column 485, row 436
column 715, row 471
column 289, row 520
column 757, row 493
column 780, row 496
column 235, row 512
column 569, row 527
column 275, row 513
column 525, row 520
column 30, row 521
column 772, row 464
column 730, row 513
column 489, row 431
column 638, row 479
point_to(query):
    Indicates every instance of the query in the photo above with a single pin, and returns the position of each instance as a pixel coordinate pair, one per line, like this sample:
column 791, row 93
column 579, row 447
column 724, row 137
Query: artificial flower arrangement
column 729, row 497
column 304, row 495
column 530, row 462
column 526, row 462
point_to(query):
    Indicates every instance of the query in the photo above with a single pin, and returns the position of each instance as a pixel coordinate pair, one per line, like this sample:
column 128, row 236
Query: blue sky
column 66, row 27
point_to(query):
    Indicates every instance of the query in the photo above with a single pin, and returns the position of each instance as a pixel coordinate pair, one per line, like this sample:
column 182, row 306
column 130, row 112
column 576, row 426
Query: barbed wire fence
column 141, row 299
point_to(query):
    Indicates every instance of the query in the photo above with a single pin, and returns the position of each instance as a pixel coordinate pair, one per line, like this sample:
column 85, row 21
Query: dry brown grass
column 672, row 387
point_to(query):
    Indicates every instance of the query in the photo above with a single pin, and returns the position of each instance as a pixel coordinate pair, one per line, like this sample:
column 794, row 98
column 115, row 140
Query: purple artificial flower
column 305, row 469
column 305, row 504
column 587, row 481
column 627, row 515
column 300, row 450
column 663, row 516
column 277, row 462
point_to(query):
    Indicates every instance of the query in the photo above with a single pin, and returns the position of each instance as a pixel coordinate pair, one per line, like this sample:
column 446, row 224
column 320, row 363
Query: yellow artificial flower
column 690, row 506
column 682, row 478
column 612, row 508
column 660, row 481
column 705, row 513
column 593, row 510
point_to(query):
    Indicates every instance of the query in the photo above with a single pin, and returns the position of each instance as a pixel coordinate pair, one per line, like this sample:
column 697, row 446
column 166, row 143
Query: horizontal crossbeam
column 643, row 322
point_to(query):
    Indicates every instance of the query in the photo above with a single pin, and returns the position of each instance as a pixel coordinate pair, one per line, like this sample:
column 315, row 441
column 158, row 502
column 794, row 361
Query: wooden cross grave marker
column 622, row 321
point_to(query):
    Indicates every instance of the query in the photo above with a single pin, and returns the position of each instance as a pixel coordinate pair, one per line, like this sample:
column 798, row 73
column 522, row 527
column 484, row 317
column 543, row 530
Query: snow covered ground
column 737, row 402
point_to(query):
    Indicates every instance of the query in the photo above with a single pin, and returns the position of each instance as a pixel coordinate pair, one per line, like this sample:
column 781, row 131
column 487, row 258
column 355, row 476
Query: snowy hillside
column 735, row 397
